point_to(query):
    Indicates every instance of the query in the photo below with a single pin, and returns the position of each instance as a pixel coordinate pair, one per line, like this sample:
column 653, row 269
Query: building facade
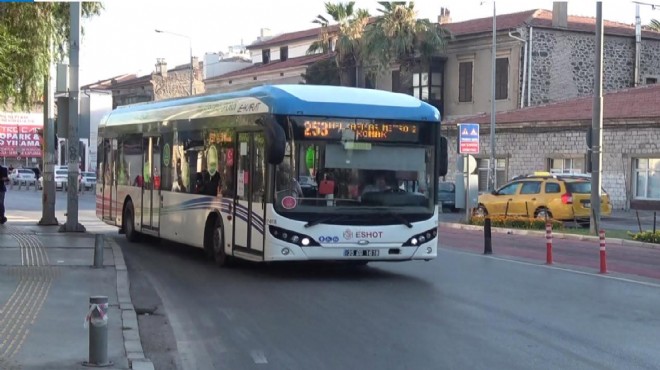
column 161, row 84
column 552, row 137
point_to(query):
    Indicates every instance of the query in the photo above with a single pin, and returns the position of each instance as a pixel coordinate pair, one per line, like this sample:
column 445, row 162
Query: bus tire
column 215, row 242
column 128, row 222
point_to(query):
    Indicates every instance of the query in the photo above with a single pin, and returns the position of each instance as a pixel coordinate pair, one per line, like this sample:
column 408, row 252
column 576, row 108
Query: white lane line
column 653, row 285
column 258, row 356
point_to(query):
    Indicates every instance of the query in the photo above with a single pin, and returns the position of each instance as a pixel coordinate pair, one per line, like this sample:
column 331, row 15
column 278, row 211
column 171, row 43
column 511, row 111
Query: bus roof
column 308, row 100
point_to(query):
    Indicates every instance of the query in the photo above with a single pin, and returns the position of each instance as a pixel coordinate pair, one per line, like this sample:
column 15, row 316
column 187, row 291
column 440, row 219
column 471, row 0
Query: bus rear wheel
column 128, row 220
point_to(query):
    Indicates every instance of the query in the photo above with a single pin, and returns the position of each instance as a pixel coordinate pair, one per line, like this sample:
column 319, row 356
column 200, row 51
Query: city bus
column 277, row 173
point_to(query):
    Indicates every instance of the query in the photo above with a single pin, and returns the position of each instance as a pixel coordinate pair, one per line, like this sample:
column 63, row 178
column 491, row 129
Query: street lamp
column 192, row 67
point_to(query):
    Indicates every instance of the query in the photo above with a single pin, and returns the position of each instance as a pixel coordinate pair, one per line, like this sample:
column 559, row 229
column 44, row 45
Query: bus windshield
column 350, row 167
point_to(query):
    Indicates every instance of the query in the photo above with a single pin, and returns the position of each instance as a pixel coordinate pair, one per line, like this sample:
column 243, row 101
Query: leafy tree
column 654, row 25
column 32, row 35
column 397, row 36
column 323, row 72
column 351, row 24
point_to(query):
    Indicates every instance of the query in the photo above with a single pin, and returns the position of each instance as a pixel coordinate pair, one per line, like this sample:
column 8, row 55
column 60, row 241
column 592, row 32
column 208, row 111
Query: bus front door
column 109, row 188
column 151, row 184
column 248, row 205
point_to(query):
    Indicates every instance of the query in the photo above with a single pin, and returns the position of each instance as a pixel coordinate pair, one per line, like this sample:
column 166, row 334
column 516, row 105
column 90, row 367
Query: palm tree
column 351, row 24
column 654, row 25
column 397, row 36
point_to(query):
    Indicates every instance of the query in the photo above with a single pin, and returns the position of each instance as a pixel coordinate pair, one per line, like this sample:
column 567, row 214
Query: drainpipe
column 638, row 44
column 529, row 70
column 524, row 73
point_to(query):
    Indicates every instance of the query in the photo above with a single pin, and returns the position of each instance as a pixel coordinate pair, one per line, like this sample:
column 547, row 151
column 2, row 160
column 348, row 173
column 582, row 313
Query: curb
column 501, row 230
column 130, row 328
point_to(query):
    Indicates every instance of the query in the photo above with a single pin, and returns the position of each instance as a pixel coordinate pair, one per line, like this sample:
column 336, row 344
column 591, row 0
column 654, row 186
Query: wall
column 478, row 51
column 213, row 66
column 563, row 63
column 527, row 150
column 291, row 76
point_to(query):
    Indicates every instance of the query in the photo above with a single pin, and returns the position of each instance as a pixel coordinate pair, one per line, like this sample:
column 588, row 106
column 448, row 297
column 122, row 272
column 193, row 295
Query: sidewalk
column 46, row 279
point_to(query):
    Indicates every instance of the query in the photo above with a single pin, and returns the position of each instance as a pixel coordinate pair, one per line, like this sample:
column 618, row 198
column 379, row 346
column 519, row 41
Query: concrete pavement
column 46, row 279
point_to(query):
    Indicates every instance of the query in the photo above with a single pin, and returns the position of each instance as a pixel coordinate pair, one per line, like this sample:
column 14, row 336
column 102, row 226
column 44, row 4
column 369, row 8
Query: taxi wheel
column 480, row 211
column 543, row 213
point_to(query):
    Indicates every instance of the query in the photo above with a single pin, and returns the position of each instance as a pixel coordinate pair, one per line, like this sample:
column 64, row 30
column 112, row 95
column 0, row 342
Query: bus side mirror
column 275, row 141
column 443, row 160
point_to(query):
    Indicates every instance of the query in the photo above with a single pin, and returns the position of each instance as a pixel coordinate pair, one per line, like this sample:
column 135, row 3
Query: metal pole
column 491, row 177
column 98, row 251
column 48, row 191
column 597, row 124
column 98, row 332
column 72, row 224
column 638, row 44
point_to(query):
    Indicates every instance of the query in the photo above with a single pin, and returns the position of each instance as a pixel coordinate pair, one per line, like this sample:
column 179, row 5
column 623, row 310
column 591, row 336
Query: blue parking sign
column 468, row 138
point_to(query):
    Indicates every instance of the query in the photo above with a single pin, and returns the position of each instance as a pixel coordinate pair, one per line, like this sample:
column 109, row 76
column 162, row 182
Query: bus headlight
column 286, row 251
column 292, row 237
column 421, row 238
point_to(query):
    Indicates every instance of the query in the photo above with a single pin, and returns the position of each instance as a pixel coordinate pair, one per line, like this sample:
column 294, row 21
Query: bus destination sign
column 361, row 131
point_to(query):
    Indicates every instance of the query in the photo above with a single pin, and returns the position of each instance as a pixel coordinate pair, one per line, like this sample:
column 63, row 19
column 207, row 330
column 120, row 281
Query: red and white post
column 603, row 256
column 548, row 243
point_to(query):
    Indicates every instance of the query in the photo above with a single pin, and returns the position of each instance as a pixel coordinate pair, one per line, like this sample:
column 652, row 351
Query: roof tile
column 273, row 66
column 634, row 103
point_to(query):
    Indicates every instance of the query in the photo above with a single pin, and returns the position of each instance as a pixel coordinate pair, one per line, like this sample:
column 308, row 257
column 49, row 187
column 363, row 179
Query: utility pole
column 48, row 154
column 72, row 224
column 597, row 124
column 493, row 165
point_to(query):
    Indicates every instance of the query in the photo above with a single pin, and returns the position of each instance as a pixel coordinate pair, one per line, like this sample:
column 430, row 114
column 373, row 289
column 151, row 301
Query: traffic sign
column 468, row 138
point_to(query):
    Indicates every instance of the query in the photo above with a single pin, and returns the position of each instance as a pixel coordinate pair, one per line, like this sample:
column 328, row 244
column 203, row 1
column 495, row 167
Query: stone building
column 161, row 84
column 542, row 56
column 552, row 137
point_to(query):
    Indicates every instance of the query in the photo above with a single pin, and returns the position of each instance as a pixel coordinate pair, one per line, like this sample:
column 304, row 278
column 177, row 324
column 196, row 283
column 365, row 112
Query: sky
column 123, row 38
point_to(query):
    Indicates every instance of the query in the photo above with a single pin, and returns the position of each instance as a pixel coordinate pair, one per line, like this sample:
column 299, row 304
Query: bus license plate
column 361, row 252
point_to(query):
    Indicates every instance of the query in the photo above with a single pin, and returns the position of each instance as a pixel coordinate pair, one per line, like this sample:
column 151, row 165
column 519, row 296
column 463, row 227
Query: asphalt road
column 462, row 310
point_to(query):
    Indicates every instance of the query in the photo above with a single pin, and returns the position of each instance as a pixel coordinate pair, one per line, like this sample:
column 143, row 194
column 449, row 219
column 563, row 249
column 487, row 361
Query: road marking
column 258, row 356
column 592, row 274
column 20, row 312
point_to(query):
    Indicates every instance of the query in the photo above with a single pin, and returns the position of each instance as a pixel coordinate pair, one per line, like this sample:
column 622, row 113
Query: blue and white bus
column 277, row 173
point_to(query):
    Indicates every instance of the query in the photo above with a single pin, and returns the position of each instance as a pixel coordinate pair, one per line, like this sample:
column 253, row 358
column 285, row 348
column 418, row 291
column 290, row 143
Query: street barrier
column 97, row 320
column 488, row 246
column 548, row 243
column 98, row 251
column 603, row 256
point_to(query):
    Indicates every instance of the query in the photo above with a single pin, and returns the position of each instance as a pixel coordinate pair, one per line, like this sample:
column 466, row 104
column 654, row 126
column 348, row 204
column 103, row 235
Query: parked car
column 447, row 195
column 561, row 197
column 61, row 179
column 87, row 180
column 23, row 175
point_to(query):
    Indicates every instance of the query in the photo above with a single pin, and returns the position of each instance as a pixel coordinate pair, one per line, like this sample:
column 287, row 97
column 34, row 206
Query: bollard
column 488, row 246
column 548, row 243
column 98, row 251
column 603, row 256
column 97, row 318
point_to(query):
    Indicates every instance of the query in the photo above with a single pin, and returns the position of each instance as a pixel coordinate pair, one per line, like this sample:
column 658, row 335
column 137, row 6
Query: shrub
column 515, row 222
column 646, row 236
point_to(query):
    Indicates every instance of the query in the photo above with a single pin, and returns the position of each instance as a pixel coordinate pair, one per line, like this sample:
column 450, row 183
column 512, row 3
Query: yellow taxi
column 541, row 195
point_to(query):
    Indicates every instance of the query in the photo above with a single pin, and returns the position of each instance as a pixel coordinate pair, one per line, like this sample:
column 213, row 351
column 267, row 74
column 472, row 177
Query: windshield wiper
column 400, row 218
column 324, row 219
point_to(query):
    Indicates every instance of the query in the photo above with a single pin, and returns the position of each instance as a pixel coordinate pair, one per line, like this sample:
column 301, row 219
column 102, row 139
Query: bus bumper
column 281, row 251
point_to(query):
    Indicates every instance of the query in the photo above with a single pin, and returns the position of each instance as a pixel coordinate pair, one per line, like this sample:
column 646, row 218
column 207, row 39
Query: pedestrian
column 4, row 178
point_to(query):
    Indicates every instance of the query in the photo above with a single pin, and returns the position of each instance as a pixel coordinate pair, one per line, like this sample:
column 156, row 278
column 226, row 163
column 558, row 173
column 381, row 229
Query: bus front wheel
column 216, row 243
